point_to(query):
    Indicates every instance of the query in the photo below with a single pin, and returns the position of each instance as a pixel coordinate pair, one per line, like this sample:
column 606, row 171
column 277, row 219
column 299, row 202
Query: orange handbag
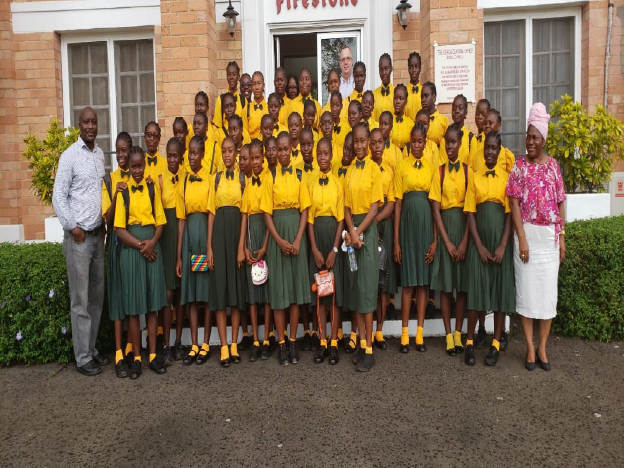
column 323, row 286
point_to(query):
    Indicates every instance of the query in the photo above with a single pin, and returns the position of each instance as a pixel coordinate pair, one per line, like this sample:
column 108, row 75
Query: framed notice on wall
column 455, row 71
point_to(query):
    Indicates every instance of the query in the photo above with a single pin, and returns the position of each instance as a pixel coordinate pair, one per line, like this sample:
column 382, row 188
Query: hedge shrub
column 35, row 321
column 591, row 280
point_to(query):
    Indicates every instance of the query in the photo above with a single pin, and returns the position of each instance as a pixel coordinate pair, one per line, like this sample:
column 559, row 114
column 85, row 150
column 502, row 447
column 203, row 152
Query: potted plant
column 43, row 158
column 587, row 147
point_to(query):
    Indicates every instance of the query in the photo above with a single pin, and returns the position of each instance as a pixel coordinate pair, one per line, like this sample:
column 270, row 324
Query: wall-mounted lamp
column 230, row 19
column 403, row 11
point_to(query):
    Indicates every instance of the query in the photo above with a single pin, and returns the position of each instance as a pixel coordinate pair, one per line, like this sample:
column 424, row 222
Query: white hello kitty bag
column 259, row 270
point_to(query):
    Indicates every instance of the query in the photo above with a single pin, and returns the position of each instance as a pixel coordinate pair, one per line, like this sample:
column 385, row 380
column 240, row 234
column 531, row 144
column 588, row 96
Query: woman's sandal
column 189, row 358
column 202, row 357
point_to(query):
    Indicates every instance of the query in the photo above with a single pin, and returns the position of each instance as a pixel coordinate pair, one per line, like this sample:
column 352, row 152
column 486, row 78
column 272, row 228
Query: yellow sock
column 363, row 344
column 306, row 332
column 160, row 331
column 432, row 300
column 152, row 356
column 194, row 349
column 392, row 300
column 450, row 343
column 225, row 352
column 292, row 340
column 206, row 348
column 404, row 336
column 281, row 342
column 340, row 334
column 414, row 300
column 245, row 333
column 469, row 342
column 118, row 356
column 334, row 343
column 369, row 350
column 137, row 358
column 128, row 348
column 257, row 343
column 372, row 337
column 272, row 334
column 419, row 335
column 265, row 343
column 457, row 337
column 234, row 349
column 324, row 343
column 353, row 337
column 379, row 335
column 496, row 344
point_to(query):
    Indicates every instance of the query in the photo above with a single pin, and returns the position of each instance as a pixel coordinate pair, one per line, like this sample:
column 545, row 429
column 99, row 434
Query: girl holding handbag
column 325, row 226
column 191, row 265
column 252, row 250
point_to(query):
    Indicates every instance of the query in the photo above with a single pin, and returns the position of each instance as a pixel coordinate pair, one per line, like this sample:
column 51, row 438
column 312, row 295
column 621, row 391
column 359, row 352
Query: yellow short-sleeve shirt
column 241, row 110
column 464, row 149
column 308, row 171
column 284, row 110
column 286, row 191
column 438, row 123
column 387, row 181
column 253, row 193
column 453, row 194
column 430, row 153
column 228, row 193
column 414, row 103
column 401, row 130
column 485, row 185
column 140, row 207
column 505, row 160
column 116, row 177
column 392, row 155
column 363, row 186
column 279, row 128
column 256, row 111
column 297, row 104
column 193, row 196
column 413, row 175
column 154, row 166
column 384, row 100
column 326, row 194
column 171, row 185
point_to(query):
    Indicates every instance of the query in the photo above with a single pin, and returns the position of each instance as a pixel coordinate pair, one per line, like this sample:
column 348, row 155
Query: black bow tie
column 479, row 138
column 174, row 179
column 492, row 173
column 305, row 100
column 124, row 174
column 308, row 167
column 276, row 126
column 295, row 152
column 359, row 96
column 323, row 180
column 385, row 91
column 432, row 118
column 257, row 106
column 360, row 164
column 342, row 171
column 286, row 169
column 337, row 129
column 255, row 181
column 194, row 178
column 381, row 168
column 399, row 119
column 152, row 160
column 415, row 89
column 387, row 143
column 455, row 166
column 137, row 187
column 229, row 175
column 418, row 164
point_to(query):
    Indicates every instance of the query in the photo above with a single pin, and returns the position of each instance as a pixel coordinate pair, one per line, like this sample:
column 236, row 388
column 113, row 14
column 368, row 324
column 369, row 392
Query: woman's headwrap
column 539, row 118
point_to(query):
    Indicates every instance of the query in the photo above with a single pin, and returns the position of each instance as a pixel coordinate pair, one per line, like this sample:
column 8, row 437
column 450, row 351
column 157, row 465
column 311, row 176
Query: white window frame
column 529, row 17
column 110, row 39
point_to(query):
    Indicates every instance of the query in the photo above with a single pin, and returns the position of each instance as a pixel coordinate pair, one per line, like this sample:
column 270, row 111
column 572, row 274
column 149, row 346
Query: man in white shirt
column 346, row 67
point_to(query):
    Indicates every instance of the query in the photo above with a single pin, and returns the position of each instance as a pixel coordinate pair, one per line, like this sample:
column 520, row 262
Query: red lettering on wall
column 314, row 3
column 279, row 6
column 305, row 3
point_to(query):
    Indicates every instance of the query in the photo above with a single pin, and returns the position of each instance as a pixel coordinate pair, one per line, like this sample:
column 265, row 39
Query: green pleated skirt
column 255, row 240
column 415, row 237
column 169, row 246
column 386, row 234
column 142, row 281
column 289, row 277
column 490, row 286
column 361, row 285
column 325, row 234
column 113, row 278
column 447, row 275
column 194, row 286
column 229, row 283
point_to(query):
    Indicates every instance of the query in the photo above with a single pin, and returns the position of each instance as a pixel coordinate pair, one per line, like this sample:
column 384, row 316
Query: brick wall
column 404, row 42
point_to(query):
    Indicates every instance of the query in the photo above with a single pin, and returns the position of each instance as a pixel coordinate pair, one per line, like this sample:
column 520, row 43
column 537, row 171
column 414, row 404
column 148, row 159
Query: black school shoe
column 469, row 358
column 492, row 356
column 202, row 357
column 321, row 354
column 544, row 365
column 282, row 355
column 157, row 366
column 404, row 348
column 350, row 346
column 366, row 363
column 293, row 355
column 479, row 341
column 381, row 344
column 89, row 369
column 255, row 353
column 265, row 352
column 246, row 343
column 430, row 311
column 129, row 358
column 100, row 359
column 504, row 341
column 160, row 343
column 136, row 370
column 333, row 356
column 178, row 352
column 306, row 342
column 121, row 369
column 357, row 356
column 166, row 356
column 315, row 342
column 272, row 343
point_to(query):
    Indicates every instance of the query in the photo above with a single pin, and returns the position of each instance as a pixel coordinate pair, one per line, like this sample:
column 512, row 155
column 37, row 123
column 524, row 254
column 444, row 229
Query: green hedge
column 35, row 322
column 591, row 280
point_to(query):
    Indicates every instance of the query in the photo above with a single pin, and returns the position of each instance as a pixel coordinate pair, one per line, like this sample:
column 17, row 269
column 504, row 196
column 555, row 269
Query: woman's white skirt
column 536, row 281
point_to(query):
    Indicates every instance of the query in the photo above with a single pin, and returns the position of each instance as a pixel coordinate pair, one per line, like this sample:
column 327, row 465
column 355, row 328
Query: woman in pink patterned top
column 536, row 195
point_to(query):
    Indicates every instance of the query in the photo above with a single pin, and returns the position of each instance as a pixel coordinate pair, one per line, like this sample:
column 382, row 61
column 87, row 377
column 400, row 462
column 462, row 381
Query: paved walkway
column 411, row 410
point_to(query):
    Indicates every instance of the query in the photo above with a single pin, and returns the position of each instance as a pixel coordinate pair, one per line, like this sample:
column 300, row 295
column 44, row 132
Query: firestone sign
column 295, row 4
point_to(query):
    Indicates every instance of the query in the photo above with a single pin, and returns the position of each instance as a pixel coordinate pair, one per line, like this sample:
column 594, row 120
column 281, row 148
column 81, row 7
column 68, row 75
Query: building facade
column 141, row 60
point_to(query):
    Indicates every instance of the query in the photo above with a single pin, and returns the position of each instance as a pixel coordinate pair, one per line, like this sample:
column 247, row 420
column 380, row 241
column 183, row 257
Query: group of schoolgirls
column 305, row 190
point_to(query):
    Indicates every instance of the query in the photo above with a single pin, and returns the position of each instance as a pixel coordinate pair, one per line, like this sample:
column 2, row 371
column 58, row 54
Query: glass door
column 328, row 46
